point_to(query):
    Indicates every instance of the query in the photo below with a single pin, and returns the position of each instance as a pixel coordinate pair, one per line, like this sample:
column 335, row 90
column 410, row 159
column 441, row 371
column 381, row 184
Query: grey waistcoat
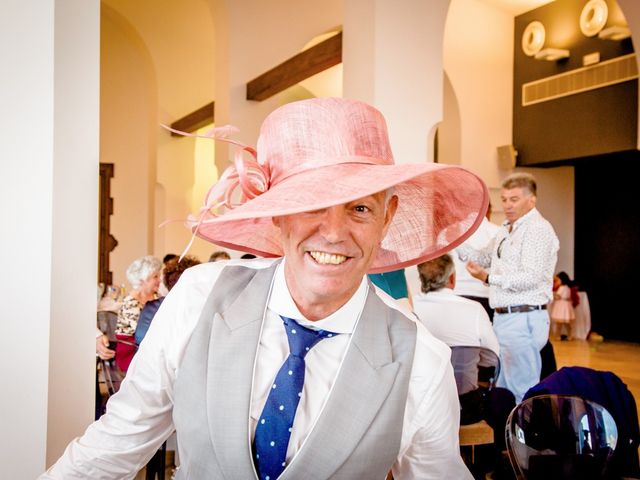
column 358, row 433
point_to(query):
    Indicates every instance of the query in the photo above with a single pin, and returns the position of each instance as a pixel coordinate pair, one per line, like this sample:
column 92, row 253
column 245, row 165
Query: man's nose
column 334, row 224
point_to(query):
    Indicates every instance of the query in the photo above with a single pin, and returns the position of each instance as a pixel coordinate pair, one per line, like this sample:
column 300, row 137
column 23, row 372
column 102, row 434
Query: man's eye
column 362, row 209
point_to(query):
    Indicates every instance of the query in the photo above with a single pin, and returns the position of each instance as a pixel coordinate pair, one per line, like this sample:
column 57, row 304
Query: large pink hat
column 323, row 152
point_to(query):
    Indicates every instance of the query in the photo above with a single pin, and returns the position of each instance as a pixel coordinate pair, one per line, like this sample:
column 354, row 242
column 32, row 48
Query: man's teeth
column 331, row 258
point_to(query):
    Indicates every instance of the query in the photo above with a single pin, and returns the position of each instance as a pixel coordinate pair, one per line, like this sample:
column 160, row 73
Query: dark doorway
column 607, row 243
column 106, row 241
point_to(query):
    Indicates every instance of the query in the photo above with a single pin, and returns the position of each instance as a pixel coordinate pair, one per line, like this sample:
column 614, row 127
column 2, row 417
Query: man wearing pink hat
column 294, row 366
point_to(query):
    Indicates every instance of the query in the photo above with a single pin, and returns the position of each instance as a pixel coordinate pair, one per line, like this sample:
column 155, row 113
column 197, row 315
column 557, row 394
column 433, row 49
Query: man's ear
column 390, row 211
column 451, row 283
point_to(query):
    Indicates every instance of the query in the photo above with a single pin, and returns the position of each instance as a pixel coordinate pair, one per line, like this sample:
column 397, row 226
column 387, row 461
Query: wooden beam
column 195, row 120
column 324, row 55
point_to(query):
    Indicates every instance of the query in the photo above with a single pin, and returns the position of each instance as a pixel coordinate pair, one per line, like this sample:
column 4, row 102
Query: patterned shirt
column 522, row 262
column 128, row 316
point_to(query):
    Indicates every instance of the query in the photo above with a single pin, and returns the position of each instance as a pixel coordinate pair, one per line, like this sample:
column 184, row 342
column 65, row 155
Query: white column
column 48, row 204
column 242, row 54
column 392, row 55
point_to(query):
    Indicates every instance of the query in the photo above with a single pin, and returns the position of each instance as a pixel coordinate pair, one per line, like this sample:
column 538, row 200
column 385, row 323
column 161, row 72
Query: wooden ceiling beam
column 320, row 57
column 190, row 123
column 314, row 60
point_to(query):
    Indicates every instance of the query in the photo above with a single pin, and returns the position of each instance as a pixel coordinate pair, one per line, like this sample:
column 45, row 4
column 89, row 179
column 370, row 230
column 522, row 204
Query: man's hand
column 102, row 348
column 477, row 271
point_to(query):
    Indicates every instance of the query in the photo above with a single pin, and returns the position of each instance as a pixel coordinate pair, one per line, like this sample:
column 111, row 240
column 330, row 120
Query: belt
column 520, row 308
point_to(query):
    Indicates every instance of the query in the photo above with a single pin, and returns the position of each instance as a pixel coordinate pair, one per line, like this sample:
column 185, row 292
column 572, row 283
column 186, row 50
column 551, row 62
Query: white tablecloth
column 582, row 324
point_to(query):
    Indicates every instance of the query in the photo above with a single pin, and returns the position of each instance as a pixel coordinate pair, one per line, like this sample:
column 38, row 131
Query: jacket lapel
column 232, row 350
column 368, row 372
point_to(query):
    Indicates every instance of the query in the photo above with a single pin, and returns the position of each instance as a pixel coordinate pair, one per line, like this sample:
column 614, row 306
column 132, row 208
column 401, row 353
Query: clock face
column 533, row 38
column 593, row 17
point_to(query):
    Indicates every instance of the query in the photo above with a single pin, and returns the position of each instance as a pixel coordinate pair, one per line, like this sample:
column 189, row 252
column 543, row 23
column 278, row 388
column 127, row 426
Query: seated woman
column 144, row 276
column 170, row 275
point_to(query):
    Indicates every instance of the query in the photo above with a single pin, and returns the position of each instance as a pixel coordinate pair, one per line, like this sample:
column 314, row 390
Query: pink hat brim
column 439, row 206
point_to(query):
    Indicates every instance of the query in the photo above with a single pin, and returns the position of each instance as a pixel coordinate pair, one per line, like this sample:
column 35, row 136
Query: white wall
column 176, row 174
column 478, row 60
column 556, row 202
column 48, row 198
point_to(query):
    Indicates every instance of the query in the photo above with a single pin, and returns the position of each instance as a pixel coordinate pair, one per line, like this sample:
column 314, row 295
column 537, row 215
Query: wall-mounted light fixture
column 615, row 33
column 593, row 17
column 533, row 38
column 552, row 54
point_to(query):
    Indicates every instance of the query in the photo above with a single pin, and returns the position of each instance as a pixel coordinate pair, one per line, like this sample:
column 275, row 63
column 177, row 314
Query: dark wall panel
column 581, row 125
column 607, row 240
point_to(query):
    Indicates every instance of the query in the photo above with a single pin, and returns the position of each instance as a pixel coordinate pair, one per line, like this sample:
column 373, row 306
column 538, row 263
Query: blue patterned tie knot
column 274, row 425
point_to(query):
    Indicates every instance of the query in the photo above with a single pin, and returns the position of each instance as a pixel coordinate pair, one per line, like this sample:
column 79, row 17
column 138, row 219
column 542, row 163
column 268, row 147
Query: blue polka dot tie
column 274, row 425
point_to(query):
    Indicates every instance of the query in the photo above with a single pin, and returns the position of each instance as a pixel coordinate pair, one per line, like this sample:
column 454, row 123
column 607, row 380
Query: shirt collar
column 444, row 290
column 342, row 320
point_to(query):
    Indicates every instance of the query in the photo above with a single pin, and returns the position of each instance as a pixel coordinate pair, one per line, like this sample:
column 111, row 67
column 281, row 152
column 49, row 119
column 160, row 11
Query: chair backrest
column 606, row 389
column 473, row 367
column 560, row 436
column 107, row 322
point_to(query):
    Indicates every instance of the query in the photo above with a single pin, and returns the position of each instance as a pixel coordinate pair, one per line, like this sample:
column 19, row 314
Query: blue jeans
column 521, row 337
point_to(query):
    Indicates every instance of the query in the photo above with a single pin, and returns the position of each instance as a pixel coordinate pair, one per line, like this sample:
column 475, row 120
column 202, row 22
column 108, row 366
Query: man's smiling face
column 328, row 251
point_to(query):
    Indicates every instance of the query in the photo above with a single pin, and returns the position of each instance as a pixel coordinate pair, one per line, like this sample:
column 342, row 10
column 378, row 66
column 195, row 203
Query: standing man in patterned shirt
column 519, row 271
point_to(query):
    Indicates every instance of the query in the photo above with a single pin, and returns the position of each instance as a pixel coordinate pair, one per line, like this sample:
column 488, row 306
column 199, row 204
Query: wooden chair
column 562, row 436
column 479, row 433
column 464, row 359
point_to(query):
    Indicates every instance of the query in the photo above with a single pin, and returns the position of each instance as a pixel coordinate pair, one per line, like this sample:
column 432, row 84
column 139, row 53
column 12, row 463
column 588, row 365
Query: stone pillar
column 48, row 203
column 392, row 55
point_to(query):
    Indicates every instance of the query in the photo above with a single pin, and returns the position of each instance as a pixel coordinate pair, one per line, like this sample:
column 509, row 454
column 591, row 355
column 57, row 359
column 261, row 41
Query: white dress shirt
column 455, row 320
column 482, row 239
column 139, row 416
column 522, row 262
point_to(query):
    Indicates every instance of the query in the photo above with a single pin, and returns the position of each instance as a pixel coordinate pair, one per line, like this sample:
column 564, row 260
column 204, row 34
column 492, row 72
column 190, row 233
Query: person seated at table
column 144, row 276
column 219, row 255
column 457, row 321
column 170, row 275
column 162, row 289
column 168, row 257
column 460, row 322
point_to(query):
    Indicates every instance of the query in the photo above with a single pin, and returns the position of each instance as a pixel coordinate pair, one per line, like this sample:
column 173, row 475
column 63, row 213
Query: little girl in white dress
column 562, row 313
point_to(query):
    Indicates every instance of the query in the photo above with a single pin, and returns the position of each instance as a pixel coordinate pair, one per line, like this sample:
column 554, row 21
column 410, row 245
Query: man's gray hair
column 521, row 180
column 142, row 268
column 435, row 273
